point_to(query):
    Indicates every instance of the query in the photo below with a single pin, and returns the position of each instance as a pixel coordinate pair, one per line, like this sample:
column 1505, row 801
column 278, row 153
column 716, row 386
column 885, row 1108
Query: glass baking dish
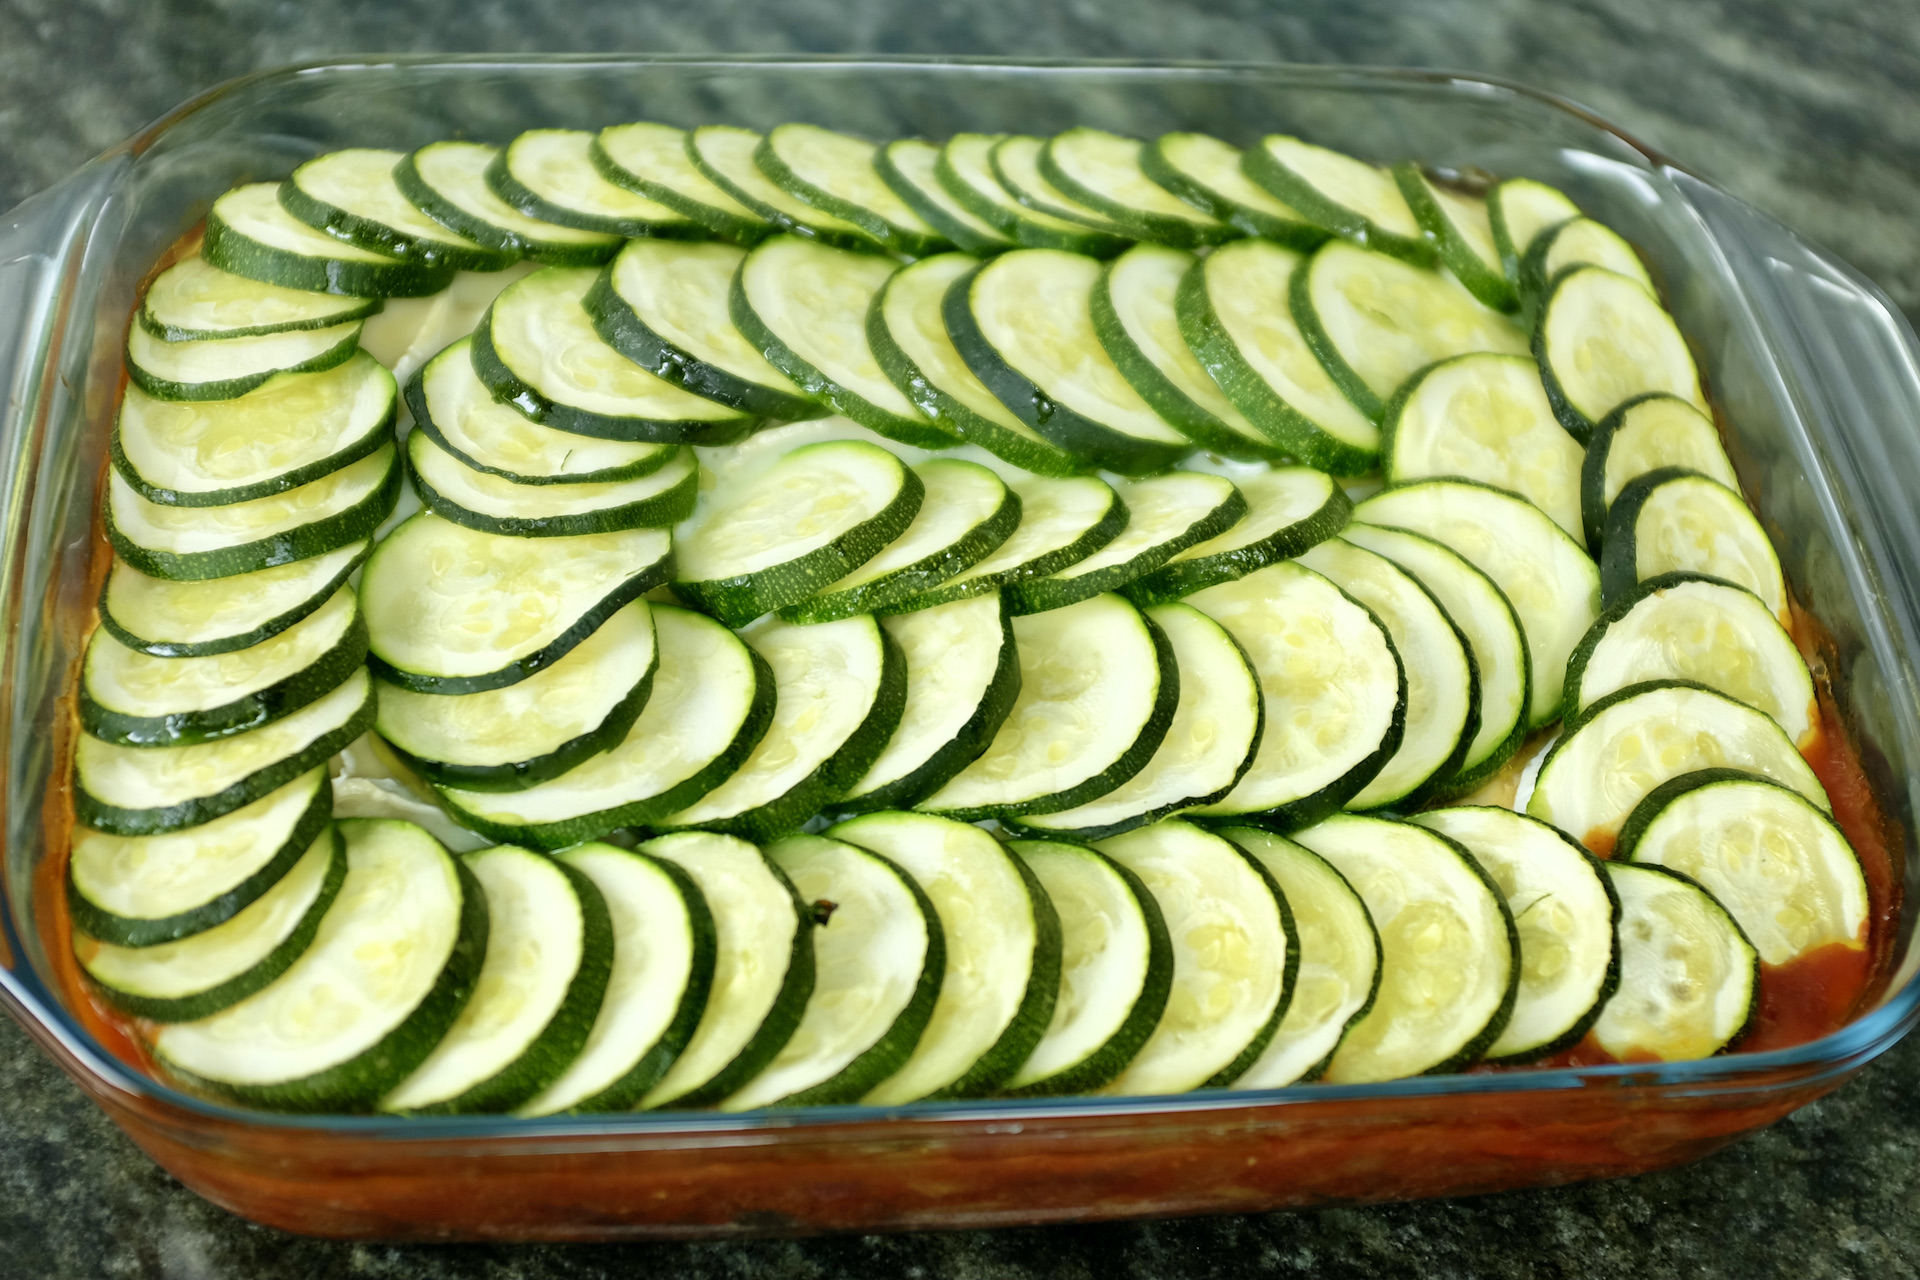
column 1813, row 369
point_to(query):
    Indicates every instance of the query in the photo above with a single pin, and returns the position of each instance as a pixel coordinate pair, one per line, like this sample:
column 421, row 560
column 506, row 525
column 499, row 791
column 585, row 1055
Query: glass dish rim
column 27, row 998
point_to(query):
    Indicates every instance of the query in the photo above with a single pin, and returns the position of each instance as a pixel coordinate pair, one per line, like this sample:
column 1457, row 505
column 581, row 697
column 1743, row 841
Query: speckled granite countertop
column 1809, row 109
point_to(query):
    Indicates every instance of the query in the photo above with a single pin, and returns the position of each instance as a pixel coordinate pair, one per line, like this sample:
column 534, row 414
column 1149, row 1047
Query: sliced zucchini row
column 774, row 536
column 1002, row 962
column 549, row 954
column 1206, row 173
column 1233, row 314
column 549, row 174
column 1601, row 340
column 663, row 304
column 1449, row 953
column 1518, row 210
column 495, row 504
column 226, row 368
column 836, row 173
column 1098, row 689
column 1623, row 746
column 1689, row 977
column 1345, row 197
column 453, row 610
column 763, row 971
column 1024, row 325
column 1484, row 417
column 1647, row 433
column 394, row 962
column 1338, row 977
column 652, row 159
column 1062, row 522
column 251, row 235
column 1103, row 172
column 1116, row 970
column 1289, row 509
column 1208, row 746
column 1682, row 626
column 840, row 688
column 1775, row 861
column 352, row 196
column 198, row 619
column 1579, row 242
column 1461, row 232
column 1546, row 576
column 910, row 168
column 966, row 171
column 1235, row 957
column 208, row 971
column 1565, row 915
column 1166, row 514
column 725, row 157
column 1016, row 163
column 447, row 181
column 1677, row 521
column 711, row 702
column 1335, row 693
column 193, row 300
column 880, row 954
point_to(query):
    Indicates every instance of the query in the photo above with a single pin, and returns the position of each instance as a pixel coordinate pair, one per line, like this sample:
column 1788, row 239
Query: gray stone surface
column 1809, row 109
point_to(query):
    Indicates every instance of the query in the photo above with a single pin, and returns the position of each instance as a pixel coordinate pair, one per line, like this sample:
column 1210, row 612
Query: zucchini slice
column 1166, row 514
column 495, row 504
column 410, row 332
column 139, row 891
column 1776, row 862
column 774, row 536
column 663, row 963
column 1098, row 688
column 909, row 168
column 1677, row 521
column 1462, row 233
column 447, row 181
column 1449, row 963
column 1103, row 172
column 1647, row 433
column 451, row 406
column 536, row 349
column 197, row 619
column 1235, row 956
column 1492, row 631
column 1374, row 320
column 908, row 334
column 725, row 157
column 836, row 174
column 880, row 956
column 206, row 972
column 289, row 431
column 1232, row 309
column 652, row 159
column 1518, row 210
column 1484, row 417
column 1545, row 575
column 1062, row 522
column 1116, row 970
column 1340, row 961
column 1015, row 161
column 763, row 970
column 1335, row 694
column 1579, row 242
column 1346, row 197
column 1002, row 962
column 251, row 235
column 1024, row 325
column 226, row 368
column 663, row 304
column 137, row 700
column 1443, row 703
column 1619, row 749
column 804, row 306
column 193, row 299
column 1206, row 173
column 1689, row 978
column 393, row 964
column 840, row 688
column 1601, row 340
column 1136, row 320
column 535, row 729
column 963, row 674
column 965, row 513
column 1209, row 745
column 966, row 171
column 352, row 196
column 549, row 954
column 1681, row 626
column 452, row 610
column 1289, row 509
column 711, row 702
column 549, row 174
column 1565, row 915
column 137, row 791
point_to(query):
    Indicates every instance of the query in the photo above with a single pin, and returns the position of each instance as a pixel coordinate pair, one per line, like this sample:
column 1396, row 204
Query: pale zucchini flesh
column 192, row 619
column 1462, row 233
column 965, row 169
column 225, row 368
column 448, row 181
column 1345, row 196
column 1580, row 242
column 1206, row 173
column 496, row 504
column 836, row 173
column 653, row 160
column 249, row 234
column 909, row 166
column 1688, row 976
column 1062, row 521
column 1103, row 171
column 1601, row 340
column 549, row 174
column 1671, row 521
column 1289, row 510
column 1518, row 210
column 1016, row 163
column 352, row 195
column 1166, row 514
column 1646, row 434
column 725, row 156
column 195, row 299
